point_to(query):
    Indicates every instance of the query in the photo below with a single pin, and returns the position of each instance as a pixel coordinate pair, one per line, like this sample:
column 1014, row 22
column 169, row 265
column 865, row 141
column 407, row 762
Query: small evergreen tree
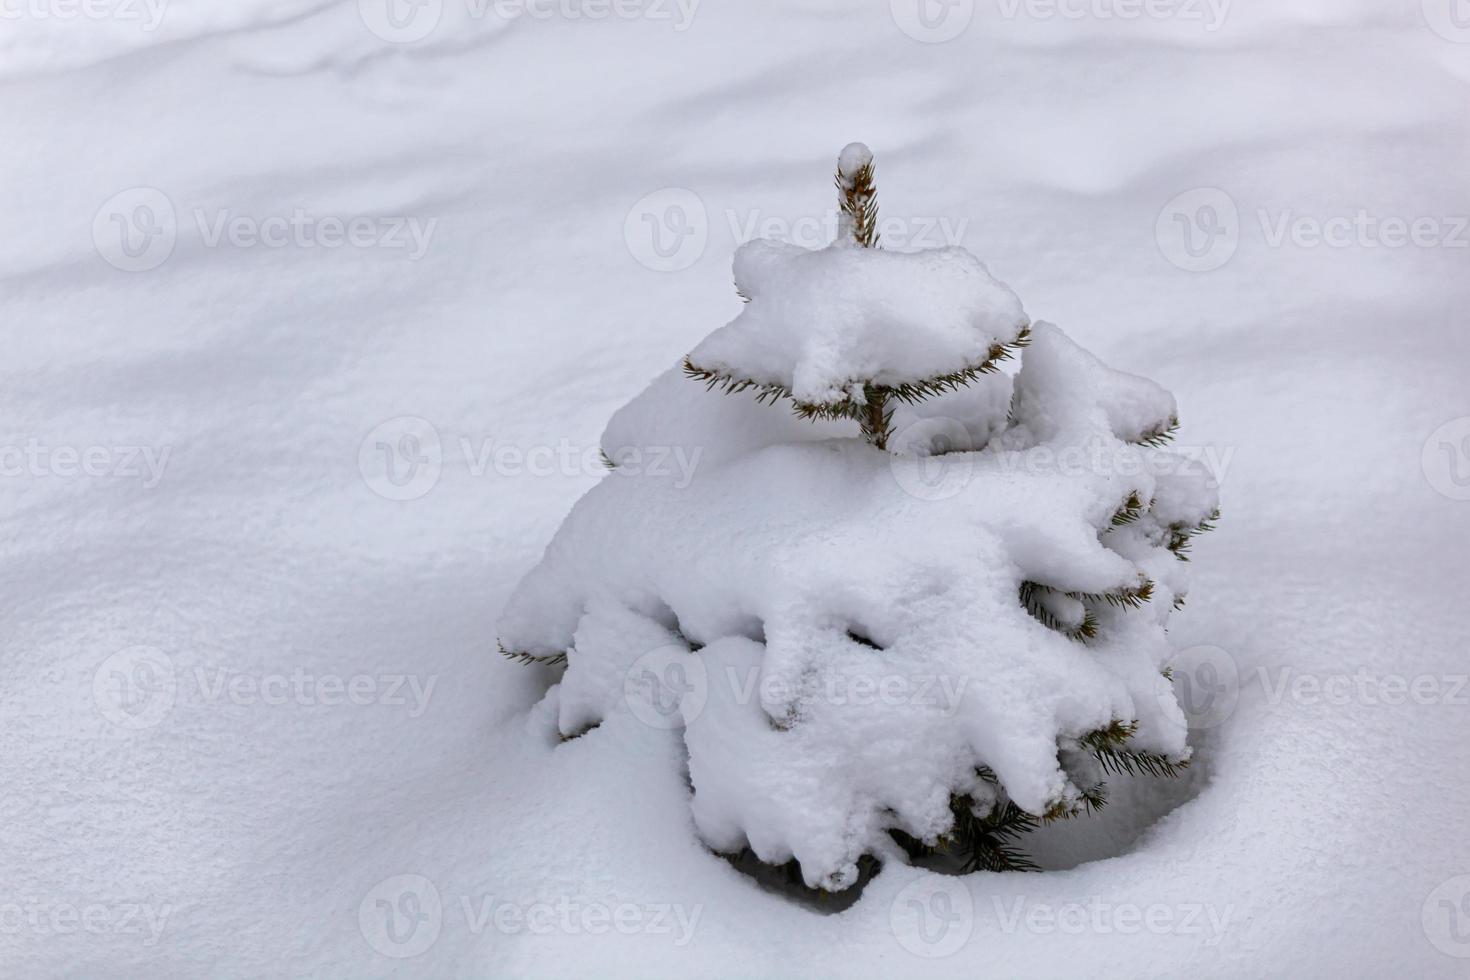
column 858, row 578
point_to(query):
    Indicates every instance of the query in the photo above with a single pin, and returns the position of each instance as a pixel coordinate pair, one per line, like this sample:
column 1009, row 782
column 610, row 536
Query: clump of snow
column 675, row 415
column 821, row 322
column 853, row 158
column 1065, row 388
column 849, row 639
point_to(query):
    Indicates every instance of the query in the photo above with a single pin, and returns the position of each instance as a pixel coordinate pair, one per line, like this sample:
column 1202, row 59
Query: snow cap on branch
column 852, row 160
column 820, row 322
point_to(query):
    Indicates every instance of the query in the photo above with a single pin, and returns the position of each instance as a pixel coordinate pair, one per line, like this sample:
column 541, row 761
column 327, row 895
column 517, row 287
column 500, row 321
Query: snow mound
column 1066, row 389
column 851, row 639
column 819, row 322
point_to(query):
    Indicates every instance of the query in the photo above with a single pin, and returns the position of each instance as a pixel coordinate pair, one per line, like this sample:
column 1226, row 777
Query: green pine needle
column 548, row 659
column 1130, row 512
column 1159, row 436
column 862, row 412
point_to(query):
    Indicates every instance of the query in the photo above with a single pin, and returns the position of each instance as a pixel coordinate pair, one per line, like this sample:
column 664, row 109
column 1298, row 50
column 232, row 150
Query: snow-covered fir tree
column 920, row 609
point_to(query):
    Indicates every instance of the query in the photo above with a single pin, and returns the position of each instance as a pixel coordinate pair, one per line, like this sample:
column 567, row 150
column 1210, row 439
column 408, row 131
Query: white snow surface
column 821, row 322
column 1322, row 830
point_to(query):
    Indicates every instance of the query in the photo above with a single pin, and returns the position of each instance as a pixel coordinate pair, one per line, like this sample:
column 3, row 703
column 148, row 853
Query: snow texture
column 821, row 322
column 1316, row 829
